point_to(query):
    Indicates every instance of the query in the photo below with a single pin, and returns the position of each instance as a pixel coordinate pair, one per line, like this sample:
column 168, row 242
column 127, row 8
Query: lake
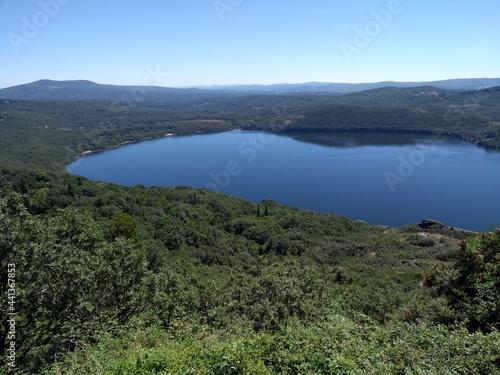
column 381, row 178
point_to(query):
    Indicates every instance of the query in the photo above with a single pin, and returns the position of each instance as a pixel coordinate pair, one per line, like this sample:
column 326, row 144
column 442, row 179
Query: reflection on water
column 365, row 138
column 382, row 178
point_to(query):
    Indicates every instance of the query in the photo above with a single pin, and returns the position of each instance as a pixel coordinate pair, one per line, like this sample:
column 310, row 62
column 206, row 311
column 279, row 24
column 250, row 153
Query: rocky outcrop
column 433, row 224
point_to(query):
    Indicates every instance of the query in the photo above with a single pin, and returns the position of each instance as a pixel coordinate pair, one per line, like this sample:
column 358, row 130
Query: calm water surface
column 382, row 178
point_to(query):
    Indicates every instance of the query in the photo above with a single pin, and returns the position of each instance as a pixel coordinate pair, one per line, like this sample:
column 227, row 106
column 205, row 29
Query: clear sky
column 203, row 42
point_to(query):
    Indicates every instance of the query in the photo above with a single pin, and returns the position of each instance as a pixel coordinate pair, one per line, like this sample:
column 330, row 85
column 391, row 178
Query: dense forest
column 99, row 278
column 55, row 133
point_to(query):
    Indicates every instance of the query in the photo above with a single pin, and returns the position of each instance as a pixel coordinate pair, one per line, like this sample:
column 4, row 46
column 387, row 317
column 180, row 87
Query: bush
column 421, row 240
column 473, row 285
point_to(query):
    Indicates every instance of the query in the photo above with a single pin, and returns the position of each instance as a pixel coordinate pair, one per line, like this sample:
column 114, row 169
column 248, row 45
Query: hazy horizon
column 256, row 84
column 225, row 42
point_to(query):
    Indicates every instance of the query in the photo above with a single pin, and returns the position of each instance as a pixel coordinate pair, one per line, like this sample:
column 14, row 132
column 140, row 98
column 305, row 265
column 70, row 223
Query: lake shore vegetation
column 133, row 280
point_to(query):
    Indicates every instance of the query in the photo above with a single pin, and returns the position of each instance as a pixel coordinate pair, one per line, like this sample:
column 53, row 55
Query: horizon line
column 251, row 84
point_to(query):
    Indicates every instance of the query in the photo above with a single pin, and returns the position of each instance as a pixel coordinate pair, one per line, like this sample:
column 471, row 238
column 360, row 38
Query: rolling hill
column 129, row 280
column 49, row 90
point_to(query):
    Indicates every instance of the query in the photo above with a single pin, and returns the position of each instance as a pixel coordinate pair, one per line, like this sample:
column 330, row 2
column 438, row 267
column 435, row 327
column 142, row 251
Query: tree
column 55, row 261
column 40, row 202
column 194, row 199
column 123, row 225
column 70, row 283
column 473, row 285
column 13, row 223
column 70, row 190
column 123, row 279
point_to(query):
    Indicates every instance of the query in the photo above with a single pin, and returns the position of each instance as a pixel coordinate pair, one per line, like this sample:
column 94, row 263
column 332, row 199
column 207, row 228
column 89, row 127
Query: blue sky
column 204, row 42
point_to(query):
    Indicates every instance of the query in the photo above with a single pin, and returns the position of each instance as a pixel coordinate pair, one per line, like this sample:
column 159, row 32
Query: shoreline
column 285, row 132
column 124, row 143
column 72, row 168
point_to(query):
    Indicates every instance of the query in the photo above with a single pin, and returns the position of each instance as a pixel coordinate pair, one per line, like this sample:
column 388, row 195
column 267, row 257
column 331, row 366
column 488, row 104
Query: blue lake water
column 382, row 178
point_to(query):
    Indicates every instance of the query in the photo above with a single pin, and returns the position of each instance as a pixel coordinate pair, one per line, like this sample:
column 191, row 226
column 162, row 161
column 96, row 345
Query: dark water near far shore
column 382, row 178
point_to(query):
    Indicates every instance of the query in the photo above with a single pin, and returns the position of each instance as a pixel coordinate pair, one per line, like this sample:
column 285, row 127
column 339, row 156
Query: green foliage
column 421, row 240
column 123, row 225
column 55, row 133
column 70, row 282
column 473, row 286
column 130, row 280
column 336, row 345
column 117, row 280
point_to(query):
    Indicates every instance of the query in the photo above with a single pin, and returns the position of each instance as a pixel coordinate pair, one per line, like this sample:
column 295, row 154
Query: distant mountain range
column 342, row 88
column 48, row 90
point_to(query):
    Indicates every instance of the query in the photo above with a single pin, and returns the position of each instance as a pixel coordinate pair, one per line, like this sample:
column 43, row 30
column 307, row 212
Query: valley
column 133, row 278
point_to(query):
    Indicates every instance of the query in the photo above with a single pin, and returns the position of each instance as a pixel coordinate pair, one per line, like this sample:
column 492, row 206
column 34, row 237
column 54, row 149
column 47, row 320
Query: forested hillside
column 112, row 279
column 55, row 133
column 49, row 90
column 106, row 279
